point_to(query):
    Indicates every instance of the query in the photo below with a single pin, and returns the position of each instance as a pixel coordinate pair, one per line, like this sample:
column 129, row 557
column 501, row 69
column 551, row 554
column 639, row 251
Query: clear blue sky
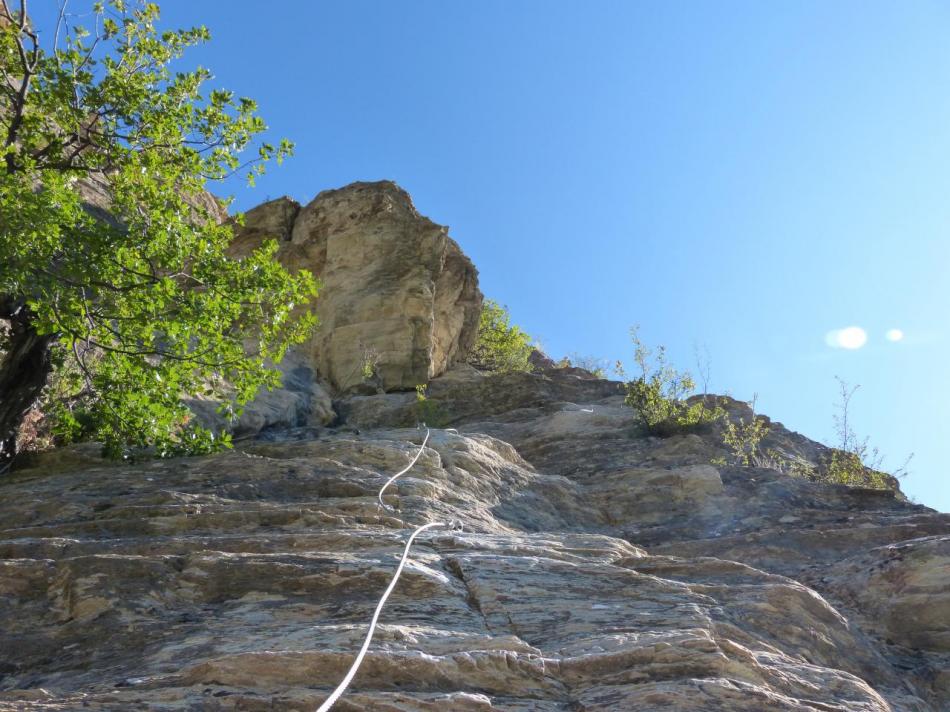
column 746, row 175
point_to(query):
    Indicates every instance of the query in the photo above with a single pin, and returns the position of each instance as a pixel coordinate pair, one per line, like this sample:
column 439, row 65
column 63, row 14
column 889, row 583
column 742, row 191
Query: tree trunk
column 24, row 370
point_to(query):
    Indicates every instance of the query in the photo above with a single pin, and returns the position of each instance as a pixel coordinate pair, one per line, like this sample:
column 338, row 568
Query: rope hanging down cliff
column 402, row 472
column 335, row 695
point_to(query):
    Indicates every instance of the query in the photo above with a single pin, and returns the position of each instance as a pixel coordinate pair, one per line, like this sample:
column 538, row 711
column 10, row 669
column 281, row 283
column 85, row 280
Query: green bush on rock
column 501, row 345
column 743, row 437
column 854, row 462
column 591, row 364
column 428, row 412
column 659, row 393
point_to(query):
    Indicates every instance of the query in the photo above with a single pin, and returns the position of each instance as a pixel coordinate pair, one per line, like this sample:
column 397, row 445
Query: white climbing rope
column 379, row 607
column 402, row 472
column 328, row 703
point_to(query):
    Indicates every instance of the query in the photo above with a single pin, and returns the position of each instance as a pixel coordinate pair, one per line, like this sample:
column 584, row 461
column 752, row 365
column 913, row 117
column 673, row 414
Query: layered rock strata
column 597, row 569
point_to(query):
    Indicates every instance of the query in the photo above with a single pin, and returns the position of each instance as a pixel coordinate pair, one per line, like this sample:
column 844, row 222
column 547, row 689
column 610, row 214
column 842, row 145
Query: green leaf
column 148, row 306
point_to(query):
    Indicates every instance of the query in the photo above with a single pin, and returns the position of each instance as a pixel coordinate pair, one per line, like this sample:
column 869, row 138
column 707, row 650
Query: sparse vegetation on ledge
column 500, row 345
column 659, row 393
column 854, row 461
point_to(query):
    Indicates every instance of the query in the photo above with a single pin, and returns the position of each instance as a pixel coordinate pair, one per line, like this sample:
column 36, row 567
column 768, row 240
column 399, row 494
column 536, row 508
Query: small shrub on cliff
column 369, row 362
column 659, row 393
column 743, row 437
column 847, row 468
column 594, row 365
column 501, row 345
column 774, row 459
column 428, row 412
column 854, row 462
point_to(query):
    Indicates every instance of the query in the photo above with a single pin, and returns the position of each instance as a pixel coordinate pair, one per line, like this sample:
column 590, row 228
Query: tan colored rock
column 273, row 220
column 395, row 285
column 903, row 591
column 596, row 568
column 647, row 495
column 398, row 293
column 246, row 580
column 464, row 394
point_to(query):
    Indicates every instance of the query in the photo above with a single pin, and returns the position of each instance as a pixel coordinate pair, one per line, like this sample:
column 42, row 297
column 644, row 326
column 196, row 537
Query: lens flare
column 850, row 338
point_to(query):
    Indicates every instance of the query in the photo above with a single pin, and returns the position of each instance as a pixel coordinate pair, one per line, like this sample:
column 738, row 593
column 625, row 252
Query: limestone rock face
column 593, row 568
column 301, row 401
column 465, row 393
column 399, row 297
column 596, row 569
column 902, row 590
column 272, row 220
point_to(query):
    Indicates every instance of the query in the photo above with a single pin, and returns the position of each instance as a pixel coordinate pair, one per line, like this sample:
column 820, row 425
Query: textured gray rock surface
column 301, row 401
column 596, row 570
column 397, row 290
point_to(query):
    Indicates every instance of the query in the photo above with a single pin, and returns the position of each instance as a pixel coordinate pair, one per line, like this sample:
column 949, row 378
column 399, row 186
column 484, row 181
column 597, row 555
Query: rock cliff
column 596, row 568
column 399, row 302
column 399, row 297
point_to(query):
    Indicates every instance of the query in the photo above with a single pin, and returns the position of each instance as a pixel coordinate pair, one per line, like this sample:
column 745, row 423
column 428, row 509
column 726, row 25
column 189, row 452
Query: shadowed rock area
column 596, row 568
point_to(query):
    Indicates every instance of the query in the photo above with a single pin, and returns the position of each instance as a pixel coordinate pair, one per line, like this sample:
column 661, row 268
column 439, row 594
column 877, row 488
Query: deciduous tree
column 113, row 262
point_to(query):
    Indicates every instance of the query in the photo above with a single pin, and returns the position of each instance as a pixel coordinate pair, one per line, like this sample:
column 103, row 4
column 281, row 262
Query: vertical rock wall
column 397, row 290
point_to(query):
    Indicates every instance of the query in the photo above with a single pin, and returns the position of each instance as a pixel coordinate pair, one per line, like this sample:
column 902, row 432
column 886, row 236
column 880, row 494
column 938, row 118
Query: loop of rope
column 335, row 695
column 402, row 472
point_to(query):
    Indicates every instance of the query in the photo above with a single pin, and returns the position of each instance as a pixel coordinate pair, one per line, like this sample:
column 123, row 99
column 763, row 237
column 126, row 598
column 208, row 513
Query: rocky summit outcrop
column 399, row 298
column 588, row 567
column 596, row 569
column 399, row 302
